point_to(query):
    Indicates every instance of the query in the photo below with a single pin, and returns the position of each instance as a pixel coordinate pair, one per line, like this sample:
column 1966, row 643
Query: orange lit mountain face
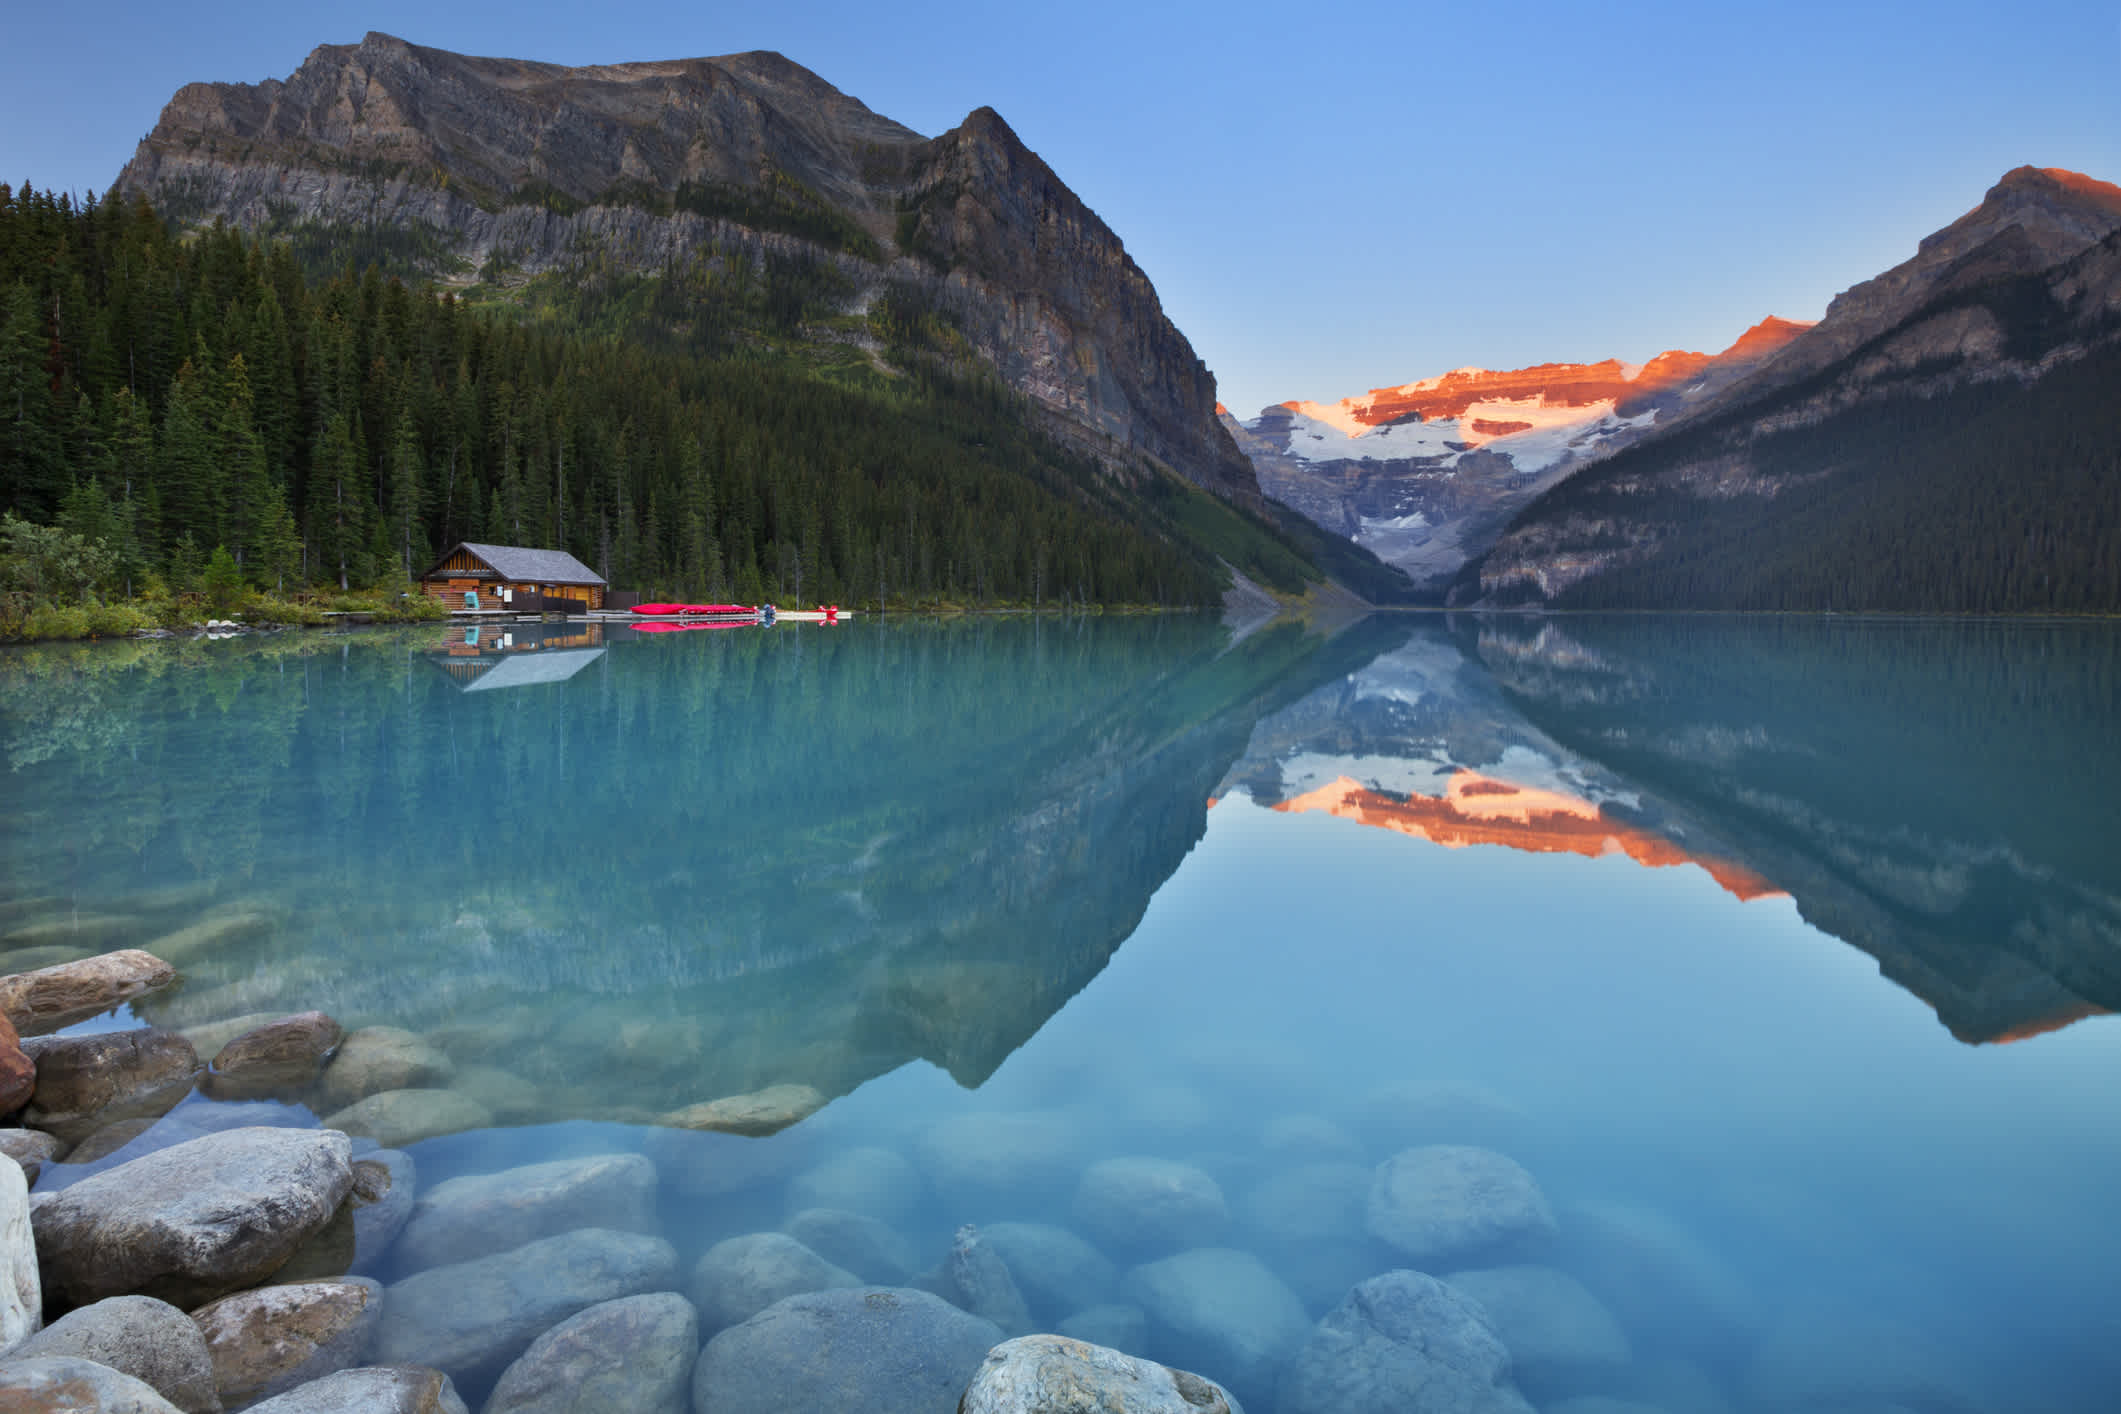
column 1477, row 809
column 2040, row 1026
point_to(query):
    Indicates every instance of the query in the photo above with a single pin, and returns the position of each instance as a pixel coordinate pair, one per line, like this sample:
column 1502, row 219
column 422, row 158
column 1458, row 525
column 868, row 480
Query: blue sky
column 1328, row 197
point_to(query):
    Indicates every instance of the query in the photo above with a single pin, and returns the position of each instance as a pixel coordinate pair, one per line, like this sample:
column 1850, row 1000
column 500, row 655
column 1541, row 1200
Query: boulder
column 824, row 1350
column 1562, row 1339
column 736, row 1279
column 21, row 1292
column 1444, row 1203
column 66, row 1384
column 634, row 1355
column 1057, row 1271
column 18, row 1073
column 982, row 1284
column 481, row 1214
column 1220, row 1312
column 704, row 1166
column 87, row 1082
column 375, row 1059
column 385, row 1187
column 872, row 1250
column 209, row 1037
column 759, row 1113
column 984, row 1160
column 150, row 1340
column 372, row 1389
column 112, row 1139
column 1309, row 1203
column 1663, row 1282
column 1051, row 1374
column 1146, row 1205
column 31, row 1148
column 1399, row 1342
column 512, row 1099
column 281, row 1059
column 54, row 998
column 395, row 1118
column 268, row 1341
column 193, row 1222
column 471, row 1319
column 1118, row 1326
column 869, row 1180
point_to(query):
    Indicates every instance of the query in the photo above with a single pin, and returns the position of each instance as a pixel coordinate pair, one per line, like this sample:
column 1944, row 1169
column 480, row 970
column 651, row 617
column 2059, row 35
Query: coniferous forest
column 205, row 408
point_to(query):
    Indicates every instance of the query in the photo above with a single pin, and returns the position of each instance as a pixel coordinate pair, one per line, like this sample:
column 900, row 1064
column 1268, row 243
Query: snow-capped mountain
column 1425, row 474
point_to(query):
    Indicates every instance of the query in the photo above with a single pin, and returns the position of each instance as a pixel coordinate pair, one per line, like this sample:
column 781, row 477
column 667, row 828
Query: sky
column 1328, row 197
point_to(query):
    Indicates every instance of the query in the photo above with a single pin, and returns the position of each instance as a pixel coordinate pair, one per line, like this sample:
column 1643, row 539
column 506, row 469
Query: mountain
column 498, row 174
column 1944, row 439
column 1426, row 474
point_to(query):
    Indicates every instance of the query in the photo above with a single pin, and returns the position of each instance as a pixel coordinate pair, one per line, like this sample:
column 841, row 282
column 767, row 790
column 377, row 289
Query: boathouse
column 512, row 576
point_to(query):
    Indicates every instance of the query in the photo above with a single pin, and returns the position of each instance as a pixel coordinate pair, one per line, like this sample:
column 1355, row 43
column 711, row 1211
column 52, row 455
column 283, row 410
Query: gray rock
column 982, row 1282
column 1310, row 1203
column 870, row 1180
column 385, row 1187
column 193, row 1222
column 1444, row 1203
column 372, row 1389
column 268, row 1341
column 1057, row 1271
column 150, row 1340
column 736, row 1279
column 1220, row 1312
column 282, row 1058
column 1403, row 1341
column 1052, row 1374
column 21, row 1292
column 825, row 1350
column 1562, row 1339
column 111, row 1139
column 87, row 1082
column 65, row 1384
column 1823, row 1358
column 209, row 1037
column 376, row 1059
column 33, row 1149
column 1118, row 1327
column 395, row 1118
column 634, row 1355
column 481, row 1214
column 874, row 1251
column 54, row 998
column 1665, row 1284
column 1149, row 1205
column 984, row 1160
column 470, row 1320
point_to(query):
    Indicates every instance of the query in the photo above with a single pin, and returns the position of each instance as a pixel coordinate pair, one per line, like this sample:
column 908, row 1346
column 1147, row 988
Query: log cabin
column 500, row 574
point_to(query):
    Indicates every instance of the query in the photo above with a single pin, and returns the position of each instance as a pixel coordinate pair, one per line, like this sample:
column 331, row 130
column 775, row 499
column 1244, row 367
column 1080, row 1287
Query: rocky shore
column 227, row 1218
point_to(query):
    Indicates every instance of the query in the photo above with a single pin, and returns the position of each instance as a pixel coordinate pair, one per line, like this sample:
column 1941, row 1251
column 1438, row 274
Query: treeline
column 174, row 397
column 1998, row 498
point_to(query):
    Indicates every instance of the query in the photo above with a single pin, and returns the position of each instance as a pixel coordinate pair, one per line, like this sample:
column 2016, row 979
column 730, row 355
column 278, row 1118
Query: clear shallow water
column 1610, row 895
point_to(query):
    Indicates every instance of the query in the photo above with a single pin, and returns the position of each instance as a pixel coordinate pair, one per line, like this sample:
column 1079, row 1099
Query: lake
column 1772, row 956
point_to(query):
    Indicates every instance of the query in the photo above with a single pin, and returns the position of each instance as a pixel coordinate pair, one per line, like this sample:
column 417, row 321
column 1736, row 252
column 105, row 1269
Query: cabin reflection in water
column 518, row 655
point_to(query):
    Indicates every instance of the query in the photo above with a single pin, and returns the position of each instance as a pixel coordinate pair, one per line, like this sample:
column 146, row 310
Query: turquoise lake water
column 1779, row 952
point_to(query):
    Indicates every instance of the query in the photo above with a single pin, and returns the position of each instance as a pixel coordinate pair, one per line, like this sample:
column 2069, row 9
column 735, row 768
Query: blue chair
column 471, row 598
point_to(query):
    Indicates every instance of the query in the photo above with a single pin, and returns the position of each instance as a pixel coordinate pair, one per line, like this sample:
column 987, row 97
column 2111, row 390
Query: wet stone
column 376, row 1059
column 53, row 998
column 1562, row 1339
column 1402, row 1341
column 1052, row 1374
column 754, row 1115
column 1120, row 1327
column 67, row 1384
column 822, row 1351
column 478, row 1215
column 634, row 1355
column 87, row 1082
column 1220, row 1312
column 1446, row 1203
column 1056, row 1270
column 736, row 1279
column 872, row 1250
column 31, row 1148
column 1146, row 1204
column 270, row 1340
column 150, row 1340
column 371, row 1389
column 280, row 1059
column 982, row 1283
column 395, row 1118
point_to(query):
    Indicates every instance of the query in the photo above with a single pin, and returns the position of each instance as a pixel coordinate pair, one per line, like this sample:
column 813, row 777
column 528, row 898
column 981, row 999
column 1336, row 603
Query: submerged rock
column 512, row 1099
column 281, row 1059
column 372, row 1389
column 634, row 1355
column 481, row 1214
column 471, row 1319
column 982, row 1282
column 376, row 1059
column 1403, row 1341
column 736, row 1279
column 54, row 998
column 385, row 1187
column 270, row 1340
column 988, row 1159
column 823, row 1351
column 869, row 1180
column 1562, row 1339
column 1145, row 1204
column 759, row 1113
column 150, row 1340
column 1818, row 1358
column 1444, row 1203
column 1664, row 1283
column 395, row 1118
column 1118, row 1327
column 1220, row 1312
column 193, row 1222
column 66, row 1384
column 1310, row 1203
column 874, row 1251
column 85, row 1083
column 1051, row 1374
column 1057, row 1271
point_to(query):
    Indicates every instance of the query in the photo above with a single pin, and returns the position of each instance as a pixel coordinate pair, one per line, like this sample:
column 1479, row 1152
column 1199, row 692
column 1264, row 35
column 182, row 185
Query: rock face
column 636, row 1355
column 375, row 1389
column 482, row 1214
column 1051, row 1374
column 53, row 998
column 540, row 164
column 150, row 1340
column 193, row 1222
column 1403, row 1341
column 65, row 1384
column 824, row 1351
column 471, row 1319
column 1221, row 1312
column 87, row 1082
column 1445, row 1202
column 270, row 1340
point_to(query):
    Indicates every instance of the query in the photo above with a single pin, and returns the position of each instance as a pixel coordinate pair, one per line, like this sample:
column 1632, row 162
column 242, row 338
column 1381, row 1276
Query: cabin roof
column 521, row 564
